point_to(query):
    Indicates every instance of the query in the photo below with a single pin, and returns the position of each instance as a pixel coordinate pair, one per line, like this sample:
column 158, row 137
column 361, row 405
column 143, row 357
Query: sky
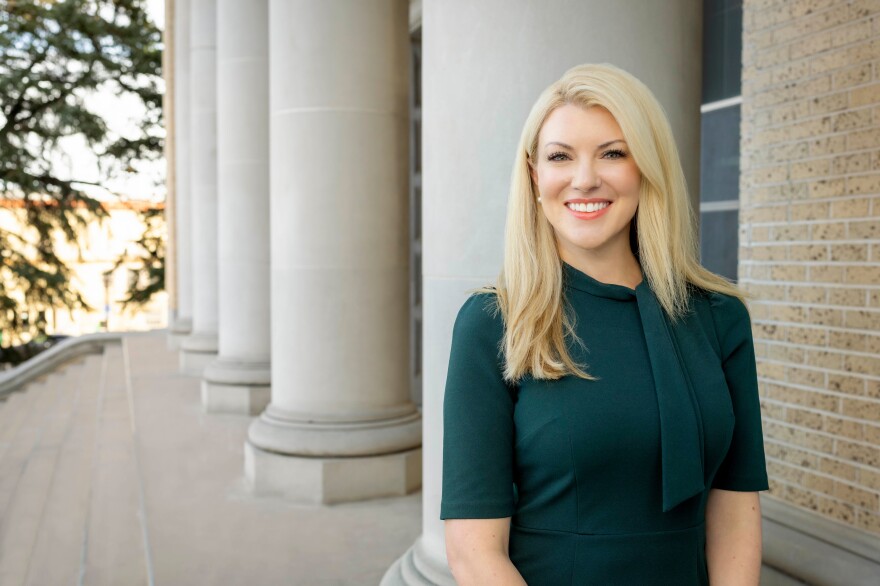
column 156, row 8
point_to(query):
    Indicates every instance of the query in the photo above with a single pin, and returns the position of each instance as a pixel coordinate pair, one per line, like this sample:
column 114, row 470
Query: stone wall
column 809, row 247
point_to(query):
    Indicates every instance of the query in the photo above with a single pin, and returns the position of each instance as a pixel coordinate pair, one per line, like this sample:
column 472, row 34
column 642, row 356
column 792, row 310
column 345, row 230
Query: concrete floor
column 111, row 473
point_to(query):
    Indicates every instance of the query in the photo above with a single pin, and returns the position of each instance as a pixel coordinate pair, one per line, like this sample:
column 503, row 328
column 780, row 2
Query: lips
column 588, row 209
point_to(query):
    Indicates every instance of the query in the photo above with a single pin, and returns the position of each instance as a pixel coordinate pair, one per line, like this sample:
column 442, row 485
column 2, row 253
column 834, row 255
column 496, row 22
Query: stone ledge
column 817, row 550
column 773, row 577
column 65, row 351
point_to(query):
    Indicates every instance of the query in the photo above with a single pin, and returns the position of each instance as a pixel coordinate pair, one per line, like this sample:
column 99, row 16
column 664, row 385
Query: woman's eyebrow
column 601, row 146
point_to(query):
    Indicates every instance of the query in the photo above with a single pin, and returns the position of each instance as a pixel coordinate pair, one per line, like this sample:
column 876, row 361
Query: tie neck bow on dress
column 681, row 431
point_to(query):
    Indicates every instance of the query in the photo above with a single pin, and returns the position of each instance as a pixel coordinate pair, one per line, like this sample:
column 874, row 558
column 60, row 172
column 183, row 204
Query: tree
column 54, row 55
column 148, row 276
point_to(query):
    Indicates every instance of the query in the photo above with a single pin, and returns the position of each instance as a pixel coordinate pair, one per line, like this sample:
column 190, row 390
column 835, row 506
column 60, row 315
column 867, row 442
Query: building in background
column 101, row 245
column 334, row 198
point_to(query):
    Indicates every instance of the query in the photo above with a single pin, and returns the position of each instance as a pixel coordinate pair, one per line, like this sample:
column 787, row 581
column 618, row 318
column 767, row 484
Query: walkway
column 111, row 474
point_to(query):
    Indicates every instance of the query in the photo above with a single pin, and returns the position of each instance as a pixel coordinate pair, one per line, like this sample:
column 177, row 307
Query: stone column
column 340, row 425
column 473, row 114
column 200, row 347
column 181, row 323
column 238, row 381
column 168, row 153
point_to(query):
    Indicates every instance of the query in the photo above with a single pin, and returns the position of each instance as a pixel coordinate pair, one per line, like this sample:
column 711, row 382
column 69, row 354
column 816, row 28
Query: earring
column 539, row 199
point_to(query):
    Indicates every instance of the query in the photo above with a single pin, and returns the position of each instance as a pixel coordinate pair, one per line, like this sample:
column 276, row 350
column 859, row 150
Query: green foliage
column 148, row 277
column 53, row 54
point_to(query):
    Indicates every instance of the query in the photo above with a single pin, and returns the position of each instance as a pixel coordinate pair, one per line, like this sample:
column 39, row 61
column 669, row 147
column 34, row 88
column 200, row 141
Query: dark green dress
column 606, row 481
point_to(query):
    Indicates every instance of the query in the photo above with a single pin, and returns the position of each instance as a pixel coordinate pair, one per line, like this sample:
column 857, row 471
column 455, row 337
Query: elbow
column 464, row 562
column 475, row 567
column 476, row 550
column 465, row 570
column 456, row 560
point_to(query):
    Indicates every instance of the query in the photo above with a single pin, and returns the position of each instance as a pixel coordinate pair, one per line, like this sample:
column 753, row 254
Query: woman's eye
column 612, row 154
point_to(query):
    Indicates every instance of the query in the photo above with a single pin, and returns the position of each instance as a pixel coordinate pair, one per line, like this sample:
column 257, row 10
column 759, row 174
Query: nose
column 586, row 176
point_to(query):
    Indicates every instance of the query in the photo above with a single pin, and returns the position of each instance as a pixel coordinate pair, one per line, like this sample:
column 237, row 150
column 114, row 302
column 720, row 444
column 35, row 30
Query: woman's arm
column 477, row 552
column 733, row 538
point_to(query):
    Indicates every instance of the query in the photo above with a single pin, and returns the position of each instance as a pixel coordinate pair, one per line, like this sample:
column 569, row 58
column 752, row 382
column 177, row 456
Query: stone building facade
column 94, row 274
column 340, row 172
column 810, row 253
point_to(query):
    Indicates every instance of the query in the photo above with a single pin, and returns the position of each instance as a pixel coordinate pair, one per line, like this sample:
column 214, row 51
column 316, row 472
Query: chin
column 587, row 240
column 591, row 247
column 586, row 246
column 594, row 244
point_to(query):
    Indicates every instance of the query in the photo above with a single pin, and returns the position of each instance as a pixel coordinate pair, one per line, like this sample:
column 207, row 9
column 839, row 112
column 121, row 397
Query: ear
column 532, row 171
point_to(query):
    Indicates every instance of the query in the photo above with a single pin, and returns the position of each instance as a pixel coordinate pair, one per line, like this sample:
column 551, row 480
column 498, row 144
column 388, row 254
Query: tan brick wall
column 810, row 247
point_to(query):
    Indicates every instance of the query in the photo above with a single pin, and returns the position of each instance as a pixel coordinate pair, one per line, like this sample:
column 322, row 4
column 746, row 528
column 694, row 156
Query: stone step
column 116, row 551
column 20, row 524
column 43, row 432
column 12, row 414
column 10, row 407
column 19, row 440
column 57, row 373
column 153, row 356
column 57, row 553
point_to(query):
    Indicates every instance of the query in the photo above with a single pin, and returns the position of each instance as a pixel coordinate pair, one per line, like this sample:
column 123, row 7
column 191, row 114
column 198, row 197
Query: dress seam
column 627, row 534
column 577, row 496
column 714, row 326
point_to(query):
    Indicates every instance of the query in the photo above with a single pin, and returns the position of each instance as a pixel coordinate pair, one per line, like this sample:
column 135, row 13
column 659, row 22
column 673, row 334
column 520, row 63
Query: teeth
column 588, row 207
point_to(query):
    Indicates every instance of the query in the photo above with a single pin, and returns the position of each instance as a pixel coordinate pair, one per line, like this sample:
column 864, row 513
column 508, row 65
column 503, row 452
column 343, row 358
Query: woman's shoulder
column 724, row 306
column 728, row 313
column 480, row 311
column 728, row 310
column 479, row 319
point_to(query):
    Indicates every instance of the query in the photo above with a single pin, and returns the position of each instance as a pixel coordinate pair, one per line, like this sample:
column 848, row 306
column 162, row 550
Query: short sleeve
column 744, row 467
column 478, row 427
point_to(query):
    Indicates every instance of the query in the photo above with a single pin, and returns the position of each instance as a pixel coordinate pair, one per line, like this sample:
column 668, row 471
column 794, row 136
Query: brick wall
column 810, row 247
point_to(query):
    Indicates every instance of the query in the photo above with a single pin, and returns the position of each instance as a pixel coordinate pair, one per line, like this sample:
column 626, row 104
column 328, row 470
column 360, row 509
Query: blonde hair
column 529, row 289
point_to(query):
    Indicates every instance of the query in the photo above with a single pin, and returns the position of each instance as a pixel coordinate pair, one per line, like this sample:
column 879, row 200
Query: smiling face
column 588, row 183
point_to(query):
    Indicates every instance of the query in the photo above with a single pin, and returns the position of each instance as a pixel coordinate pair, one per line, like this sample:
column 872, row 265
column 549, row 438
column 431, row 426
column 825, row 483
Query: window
column 719, row 156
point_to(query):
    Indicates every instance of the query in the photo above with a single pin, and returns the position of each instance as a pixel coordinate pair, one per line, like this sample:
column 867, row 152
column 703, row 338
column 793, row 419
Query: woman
column 601, row 416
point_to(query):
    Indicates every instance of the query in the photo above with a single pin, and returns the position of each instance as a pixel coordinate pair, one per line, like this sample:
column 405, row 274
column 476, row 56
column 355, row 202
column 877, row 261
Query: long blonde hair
column 529, row 289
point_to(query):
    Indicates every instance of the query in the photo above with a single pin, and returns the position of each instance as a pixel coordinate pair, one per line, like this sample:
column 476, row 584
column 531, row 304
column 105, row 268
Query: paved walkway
column 111, row 474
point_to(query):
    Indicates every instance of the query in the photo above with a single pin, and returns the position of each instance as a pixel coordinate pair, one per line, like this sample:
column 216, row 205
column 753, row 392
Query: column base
column 415, row 568
column 178, row 329
column 322, row 481
column 390, row 431
column 197, row 351
column 240, row 399
column 236, row 386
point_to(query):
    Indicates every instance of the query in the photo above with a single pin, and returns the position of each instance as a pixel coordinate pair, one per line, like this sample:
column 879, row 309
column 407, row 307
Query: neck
column 621, row 268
